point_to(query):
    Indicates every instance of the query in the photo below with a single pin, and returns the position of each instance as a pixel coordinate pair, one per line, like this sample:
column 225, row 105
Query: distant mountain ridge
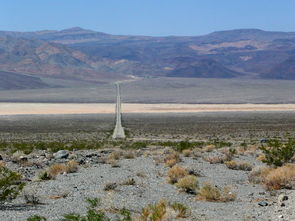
column 81, row 54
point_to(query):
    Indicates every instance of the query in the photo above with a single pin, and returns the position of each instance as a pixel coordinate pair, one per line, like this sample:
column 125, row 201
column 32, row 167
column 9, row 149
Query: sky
column 148, row 17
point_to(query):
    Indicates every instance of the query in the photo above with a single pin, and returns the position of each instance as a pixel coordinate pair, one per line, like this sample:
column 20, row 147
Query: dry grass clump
column 188, row 184
column 187, row 153
column 129, row 155
column 163, row 211
column 213, row 194
column 280, row 178
column 258, row 173
column 176, row 173
column 261, row 157
column 71, row 166
column 209, row 148
column 2, row 163
column 56, row 169
column 59, row 168
column 115, row 155
column 218, row 159
column 172, row 159
column 234, row 165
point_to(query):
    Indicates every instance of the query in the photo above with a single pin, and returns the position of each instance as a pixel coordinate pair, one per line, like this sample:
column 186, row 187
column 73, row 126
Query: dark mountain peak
column 75, row 29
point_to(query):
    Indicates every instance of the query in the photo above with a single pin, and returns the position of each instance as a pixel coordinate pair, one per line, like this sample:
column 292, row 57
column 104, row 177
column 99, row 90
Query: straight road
column 119, row 130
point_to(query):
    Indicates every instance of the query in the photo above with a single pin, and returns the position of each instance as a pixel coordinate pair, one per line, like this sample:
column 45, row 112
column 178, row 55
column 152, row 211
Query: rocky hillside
column 84, row 54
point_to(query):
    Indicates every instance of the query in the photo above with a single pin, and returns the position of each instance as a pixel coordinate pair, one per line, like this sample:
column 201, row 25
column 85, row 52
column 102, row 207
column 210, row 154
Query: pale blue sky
column 148, row 17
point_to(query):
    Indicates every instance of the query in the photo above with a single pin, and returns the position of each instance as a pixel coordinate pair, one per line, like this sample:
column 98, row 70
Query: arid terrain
column 217, row 154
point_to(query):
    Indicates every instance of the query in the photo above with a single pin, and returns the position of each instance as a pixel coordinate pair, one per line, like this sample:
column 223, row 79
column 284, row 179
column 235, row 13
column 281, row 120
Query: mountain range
column 86, row 55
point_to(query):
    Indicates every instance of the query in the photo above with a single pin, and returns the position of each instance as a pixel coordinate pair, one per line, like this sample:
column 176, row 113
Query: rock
column 263, row 203
column 61, row 154
column 281, row 199
column 23, row 158
column 1, row 158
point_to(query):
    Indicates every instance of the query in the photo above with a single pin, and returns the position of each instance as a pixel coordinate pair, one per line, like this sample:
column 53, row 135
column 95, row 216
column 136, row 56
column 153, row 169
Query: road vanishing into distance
column 119, row 130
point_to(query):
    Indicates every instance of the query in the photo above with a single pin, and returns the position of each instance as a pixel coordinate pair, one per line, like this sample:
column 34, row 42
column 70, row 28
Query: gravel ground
column 150, row 187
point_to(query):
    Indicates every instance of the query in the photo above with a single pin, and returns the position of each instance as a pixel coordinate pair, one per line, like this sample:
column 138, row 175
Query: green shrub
column 277, row 152
column 37, row 218
column 10, row 184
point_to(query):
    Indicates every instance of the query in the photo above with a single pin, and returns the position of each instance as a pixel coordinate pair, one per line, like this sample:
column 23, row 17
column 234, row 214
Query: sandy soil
column 74, row 108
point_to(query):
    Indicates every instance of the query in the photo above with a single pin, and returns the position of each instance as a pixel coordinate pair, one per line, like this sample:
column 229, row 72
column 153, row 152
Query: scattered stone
column 61, row 154
column 263, row 203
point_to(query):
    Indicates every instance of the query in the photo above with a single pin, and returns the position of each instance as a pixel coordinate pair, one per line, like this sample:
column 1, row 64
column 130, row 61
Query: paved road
column 119, row 130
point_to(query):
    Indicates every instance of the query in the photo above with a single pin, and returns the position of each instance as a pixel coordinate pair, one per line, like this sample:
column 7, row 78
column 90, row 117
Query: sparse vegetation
column 278, row 152
column 176, row 173
column 280, row 178
column 234, row 165
column 213, row 194
column 188, row 184
column 10, row 184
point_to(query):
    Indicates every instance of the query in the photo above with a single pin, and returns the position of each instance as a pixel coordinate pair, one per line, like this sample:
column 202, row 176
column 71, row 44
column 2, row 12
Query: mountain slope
column 49, row 59
column 86, row 54
column 10, row 80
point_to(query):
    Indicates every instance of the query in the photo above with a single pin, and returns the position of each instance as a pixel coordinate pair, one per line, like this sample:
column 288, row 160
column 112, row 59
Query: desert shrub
column 213, row 194
column 280, row 178
column 176, row 173
column 258, row 173
column 129, row 155
column 31, row 199
column 36, row 218
column 218, row 159
column 129, row 182
column 43, row 175
column 158, row 210
column 71, row 166
column 277, row 152
column 187, row 153
column 10, row 184
column 134, row 145
column 110, row 186
column 92, row 213
column 182, row 210
column 220, row 143
column 234, row 165
column 114, row 156
column 163, row 210
column 188, row 184
column 56, row 169
column 171, row 159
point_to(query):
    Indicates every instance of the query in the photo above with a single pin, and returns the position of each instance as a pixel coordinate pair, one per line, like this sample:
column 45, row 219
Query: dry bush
column 258, row 173
column 129, row 182
column 56, row 169
column 59, row 168
column 163, row 211
column 187, row 152
column 115, row 155
column 209, row 148
column 2, row 163
column 234, row 165
column 182, row 210
column 213, row 194
column 176, row 173
column 188, row 184
column 129, row 155
column 280, row 178
column 171, row 159
column 218, row 159
column 71, row 166
column 261, row 157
